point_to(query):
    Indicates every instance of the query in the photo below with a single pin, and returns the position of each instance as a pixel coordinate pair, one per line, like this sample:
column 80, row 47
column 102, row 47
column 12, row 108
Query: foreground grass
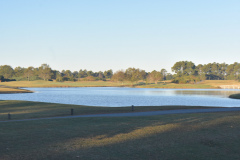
column 28, row 110
column 214, row 136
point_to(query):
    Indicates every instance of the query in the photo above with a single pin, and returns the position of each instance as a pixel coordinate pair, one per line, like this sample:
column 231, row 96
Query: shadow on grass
column 192, row 136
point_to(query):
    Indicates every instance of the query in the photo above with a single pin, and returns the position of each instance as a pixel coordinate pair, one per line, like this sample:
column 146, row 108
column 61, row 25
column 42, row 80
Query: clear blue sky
column 110, row 34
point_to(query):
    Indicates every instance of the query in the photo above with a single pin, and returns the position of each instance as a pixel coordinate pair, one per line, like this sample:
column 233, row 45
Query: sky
column 109, row 34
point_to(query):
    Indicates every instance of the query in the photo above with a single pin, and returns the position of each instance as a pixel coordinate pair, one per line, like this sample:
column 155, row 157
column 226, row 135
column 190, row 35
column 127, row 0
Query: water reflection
column 191, row 92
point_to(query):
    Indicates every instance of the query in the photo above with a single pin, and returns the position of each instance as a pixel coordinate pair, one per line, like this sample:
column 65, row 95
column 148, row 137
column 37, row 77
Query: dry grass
column 163, row 84
column 41, row 83
column 214, row 136
column 217, row 83
column 13, row 90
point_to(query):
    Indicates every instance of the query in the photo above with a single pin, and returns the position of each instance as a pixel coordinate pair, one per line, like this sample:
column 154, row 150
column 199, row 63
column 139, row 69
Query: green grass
column 28, row 110
column 214, row 136
column 235, row 96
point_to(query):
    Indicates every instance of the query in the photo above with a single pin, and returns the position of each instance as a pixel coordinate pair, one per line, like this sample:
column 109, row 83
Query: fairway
column 189, row 136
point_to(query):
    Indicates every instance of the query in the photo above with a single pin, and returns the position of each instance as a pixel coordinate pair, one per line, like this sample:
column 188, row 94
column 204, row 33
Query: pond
column 118, row 97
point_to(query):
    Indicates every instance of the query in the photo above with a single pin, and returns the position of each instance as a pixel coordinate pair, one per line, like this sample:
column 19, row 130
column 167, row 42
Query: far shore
column 16, row 86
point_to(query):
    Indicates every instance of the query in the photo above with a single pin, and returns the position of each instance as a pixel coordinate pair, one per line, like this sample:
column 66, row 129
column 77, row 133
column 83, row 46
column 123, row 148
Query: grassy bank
column 166, row 84
column 28, row 110
column 9, row 90
column 41, row 83
column 235, row 96
column 177, row 86
column 212, row 136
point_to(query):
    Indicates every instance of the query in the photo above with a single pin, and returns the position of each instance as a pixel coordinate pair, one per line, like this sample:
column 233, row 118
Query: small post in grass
column 71, row 111
column 132, row 107
column 9, row 116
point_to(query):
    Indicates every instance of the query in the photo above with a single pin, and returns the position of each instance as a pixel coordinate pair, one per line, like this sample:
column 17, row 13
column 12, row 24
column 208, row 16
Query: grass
column 235, row 96
column 174, row 85
column 8, row 90
column 166, row 84
column 29, row 110
column 217, row 83
column 214, row 136
column 41, row 83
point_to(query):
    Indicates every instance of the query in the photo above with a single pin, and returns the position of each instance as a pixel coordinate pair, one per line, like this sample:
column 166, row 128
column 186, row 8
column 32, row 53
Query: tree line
column 188, row 72
column 184, row 72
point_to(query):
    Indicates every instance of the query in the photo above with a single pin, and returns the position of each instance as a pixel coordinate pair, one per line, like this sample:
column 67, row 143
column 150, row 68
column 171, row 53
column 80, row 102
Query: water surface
column 114, row 96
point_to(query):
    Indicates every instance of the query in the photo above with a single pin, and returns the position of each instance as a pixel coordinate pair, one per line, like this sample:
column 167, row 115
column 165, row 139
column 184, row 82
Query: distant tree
column 223, row 67
column 164, row 73
column 6, row 71
column 1, row 78
column 200, row 72
column 54, row 74
column 169, row 76
column 59, row 78
column 184, row 70
column 155, row 76
column 133, row 74
column 82, row 73
column 237, row 71
column 230, row 72
column 100, row 75
column 19, row 72
column 119, row 76
column 45, row 72
column 29, row 72
column 108, row 74
column 75, row 74
column 90, row 73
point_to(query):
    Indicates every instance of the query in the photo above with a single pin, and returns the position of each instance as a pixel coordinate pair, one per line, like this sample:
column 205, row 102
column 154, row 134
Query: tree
column 184, row 70
column 100, row 75
column 200, row 72
column 75, row 74
column 6, row 71
column 29, row 72
column 119, row 76
column 19, row 72
column 134, row 75
column 90, row 73
column 82, row 73
column 164, row 73
column 237, row 71
column 45, row 72
column 108, row 74
column 169, row 76
column 155, row 76
column 1, row 78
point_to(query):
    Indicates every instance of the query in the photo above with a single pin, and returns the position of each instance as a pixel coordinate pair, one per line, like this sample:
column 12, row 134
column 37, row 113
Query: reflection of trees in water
column 209, row 92
column 221, row 93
